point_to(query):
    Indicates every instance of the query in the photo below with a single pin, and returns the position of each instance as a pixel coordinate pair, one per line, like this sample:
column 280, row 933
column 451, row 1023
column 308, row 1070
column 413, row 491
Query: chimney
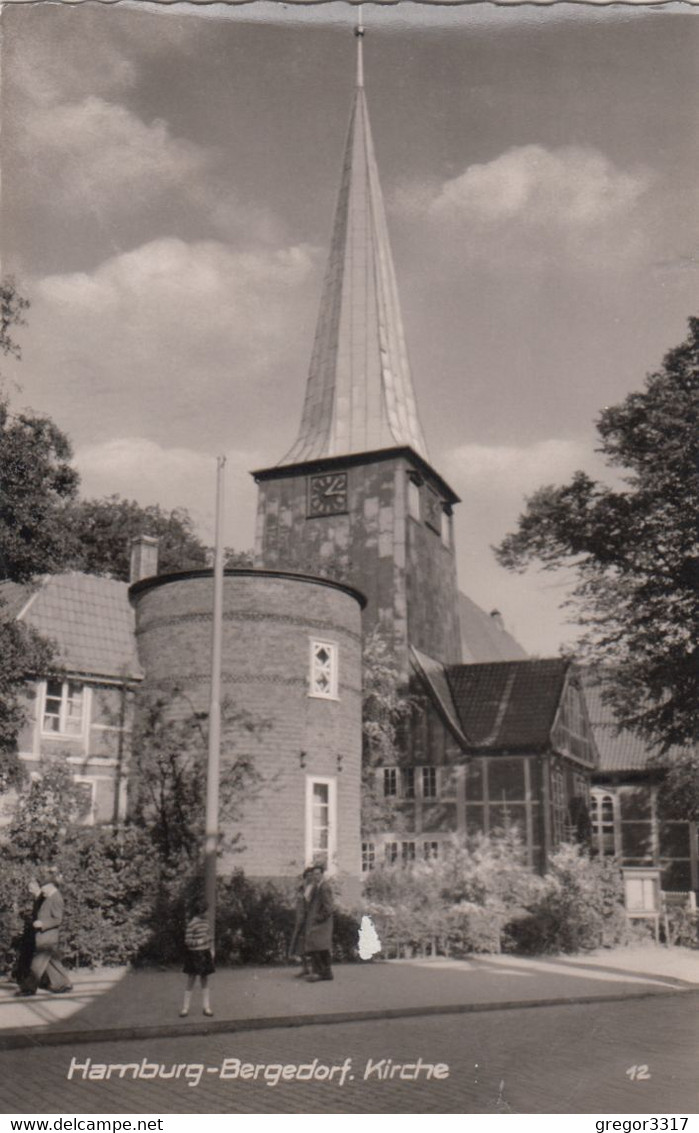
column 497, row 618
column 144, row 557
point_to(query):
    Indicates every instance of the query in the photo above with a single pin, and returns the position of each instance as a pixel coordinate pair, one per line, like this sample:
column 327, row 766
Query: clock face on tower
column 327, row 494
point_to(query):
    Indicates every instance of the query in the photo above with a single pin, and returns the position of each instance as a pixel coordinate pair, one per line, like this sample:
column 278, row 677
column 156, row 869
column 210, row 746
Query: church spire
column 359, row 396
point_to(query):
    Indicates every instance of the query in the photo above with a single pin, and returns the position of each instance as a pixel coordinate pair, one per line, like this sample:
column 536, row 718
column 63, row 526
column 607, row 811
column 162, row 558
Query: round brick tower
column 291, row 666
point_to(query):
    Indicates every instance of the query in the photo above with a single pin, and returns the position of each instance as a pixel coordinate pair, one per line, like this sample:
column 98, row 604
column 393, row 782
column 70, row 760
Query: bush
column 456, row 904
column 580, row 907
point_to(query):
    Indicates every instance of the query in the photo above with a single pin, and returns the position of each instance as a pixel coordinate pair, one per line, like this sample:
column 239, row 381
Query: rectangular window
column 407, row 852
column 324, row 665
column 390, row 782
column 430, row 850
column 63, row 712
column 429, row 782
column 446, row 530
column 408, row 775
column 368, row 856
column 391, row 851
column 321, row 822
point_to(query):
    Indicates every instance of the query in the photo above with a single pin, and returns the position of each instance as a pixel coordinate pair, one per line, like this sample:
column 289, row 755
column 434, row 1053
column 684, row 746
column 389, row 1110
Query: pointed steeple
column 359, row 396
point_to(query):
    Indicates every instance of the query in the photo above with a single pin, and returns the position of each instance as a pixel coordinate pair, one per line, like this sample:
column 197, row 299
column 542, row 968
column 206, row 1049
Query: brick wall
column 401, row 565
column 269, row 622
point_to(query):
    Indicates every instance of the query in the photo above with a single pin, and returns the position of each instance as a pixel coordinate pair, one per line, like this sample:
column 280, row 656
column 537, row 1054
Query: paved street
column 570, row 1059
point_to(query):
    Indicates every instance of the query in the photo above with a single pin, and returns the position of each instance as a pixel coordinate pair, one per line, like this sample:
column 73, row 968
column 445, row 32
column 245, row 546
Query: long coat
column 319, row 919
column 51, row 916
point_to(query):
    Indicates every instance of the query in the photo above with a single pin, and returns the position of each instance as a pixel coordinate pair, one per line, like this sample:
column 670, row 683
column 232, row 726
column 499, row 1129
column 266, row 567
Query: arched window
column 603, row 815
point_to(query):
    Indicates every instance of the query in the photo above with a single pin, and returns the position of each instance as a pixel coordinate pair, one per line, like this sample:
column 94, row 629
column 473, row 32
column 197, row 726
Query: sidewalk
column 119, row 1003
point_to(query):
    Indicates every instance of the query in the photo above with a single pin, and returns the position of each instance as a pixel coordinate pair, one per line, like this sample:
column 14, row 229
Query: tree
column 386, row 709
column 12, row 308
column 103, row 530
column 45, row 810
column 167, row 779
column 37, row 484
column 634, row 550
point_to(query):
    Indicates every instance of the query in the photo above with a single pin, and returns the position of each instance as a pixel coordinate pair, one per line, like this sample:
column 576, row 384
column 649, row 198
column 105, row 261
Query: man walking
column 319, row 926
column 46, row 928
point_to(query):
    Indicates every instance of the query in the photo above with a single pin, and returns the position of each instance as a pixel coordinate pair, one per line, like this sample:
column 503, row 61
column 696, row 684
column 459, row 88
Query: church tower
column 356, row 497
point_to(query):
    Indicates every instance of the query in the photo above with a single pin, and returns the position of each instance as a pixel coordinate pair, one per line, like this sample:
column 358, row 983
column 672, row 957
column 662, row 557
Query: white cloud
column 97, row 155
column 140, row 469
column 533, row 207
column 155, row 337
column 571, row 186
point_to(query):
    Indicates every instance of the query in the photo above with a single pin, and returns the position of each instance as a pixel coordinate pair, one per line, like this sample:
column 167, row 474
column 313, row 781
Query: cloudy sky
column 169, row 182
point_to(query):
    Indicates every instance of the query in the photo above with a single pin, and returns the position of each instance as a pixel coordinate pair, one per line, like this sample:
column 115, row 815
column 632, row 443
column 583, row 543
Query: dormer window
column 63, row 709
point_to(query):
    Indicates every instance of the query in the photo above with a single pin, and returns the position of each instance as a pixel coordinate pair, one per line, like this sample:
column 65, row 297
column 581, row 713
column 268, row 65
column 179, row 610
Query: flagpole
column 214, row 761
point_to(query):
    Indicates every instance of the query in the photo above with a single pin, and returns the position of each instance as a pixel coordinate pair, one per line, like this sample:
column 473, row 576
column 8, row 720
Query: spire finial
column 359, row 32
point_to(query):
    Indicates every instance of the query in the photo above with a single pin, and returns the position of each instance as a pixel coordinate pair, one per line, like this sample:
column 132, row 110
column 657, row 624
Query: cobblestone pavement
column 570, row 1059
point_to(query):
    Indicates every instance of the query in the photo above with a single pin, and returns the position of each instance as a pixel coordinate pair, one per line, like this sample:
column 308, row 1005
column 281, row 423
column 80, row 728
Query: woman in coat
column 297, row 947
column 319, row 926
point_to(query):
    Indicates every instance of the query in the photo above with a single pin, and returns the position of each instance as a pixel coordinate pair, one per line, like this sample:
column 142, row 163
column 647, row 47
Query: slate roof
column 483, row 636
column 89, row 618
column 509, row 705
column 619, row 750
column 359, row 394
column 434, row 673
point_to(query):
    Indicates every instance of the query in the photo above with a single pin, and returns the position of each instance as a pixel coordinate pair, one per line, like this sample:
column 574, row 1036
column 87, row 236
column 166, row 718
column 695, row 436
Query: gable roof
column 89, row 618
column 484, row 637
column 509, row 705
column 434, row 674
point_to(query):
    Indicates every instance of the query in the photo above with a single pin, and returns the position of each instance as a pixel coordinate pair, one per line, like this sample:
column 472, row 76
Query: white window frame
column 389, row 776
column 62, row 732
column 597, row 826
column 311, row 850
column 333, row 669
column 432, row 773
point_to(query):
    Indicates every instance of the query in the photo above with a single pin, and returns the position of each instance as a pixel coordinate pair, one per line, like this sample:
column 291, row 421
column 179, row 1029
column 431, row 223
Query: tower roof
column 359, row 396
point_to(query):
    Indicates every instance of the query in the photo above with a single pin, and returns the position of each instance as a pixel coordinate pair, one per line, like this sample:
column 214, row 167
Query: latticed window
column 407, row 852
column 391, row 851
column 603, row 823
column 368, row 856
column 63, row 713
column 408, row 776
column 320, row 822
column 324, row 669
column 429, row 782
column 430, row 850
column 390, row 782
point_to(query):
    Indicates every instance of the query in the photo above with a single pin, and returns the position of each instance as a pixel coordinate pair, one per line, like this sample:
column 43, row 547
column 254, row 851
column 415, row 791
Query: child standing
column 199, row 960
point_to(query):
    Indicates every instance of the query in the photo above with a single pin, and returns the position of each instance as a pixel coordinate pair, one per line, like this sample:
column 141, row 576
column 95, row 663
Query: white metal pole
column 214, row 762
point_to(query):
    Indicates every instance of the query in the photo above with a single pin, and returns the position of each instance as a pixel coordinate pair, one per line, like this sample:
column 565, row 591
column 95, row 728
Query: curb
column 18, row 1040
